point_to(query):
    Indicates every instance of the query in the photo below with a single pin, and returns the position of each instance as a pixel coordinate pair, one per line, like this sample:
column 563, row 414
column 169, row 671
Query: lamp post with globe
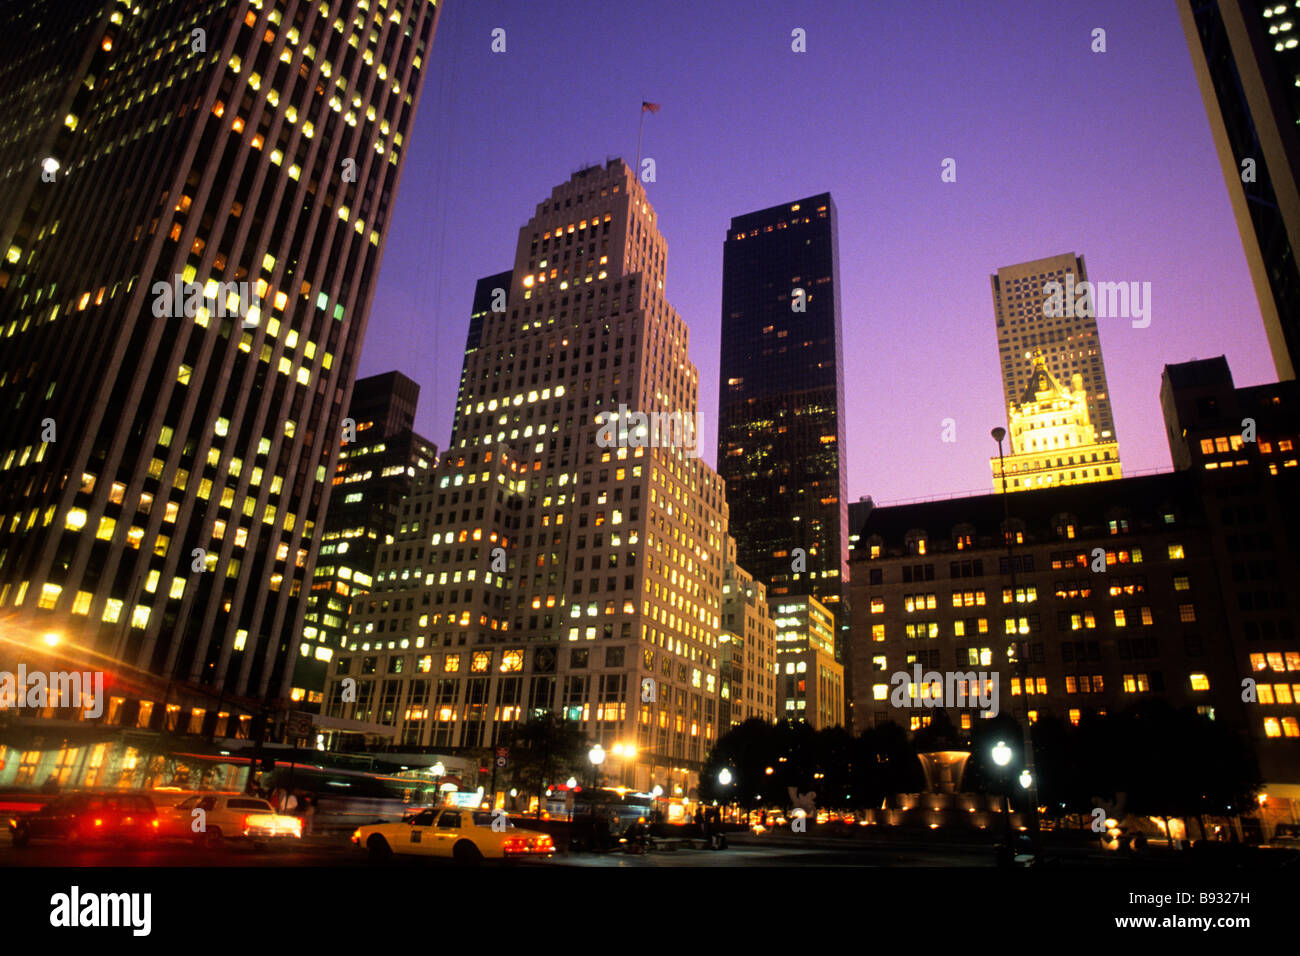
column 1001, row 757
column 1021, row 661
column 597, row 757
column 724, row 779
column 437, row 770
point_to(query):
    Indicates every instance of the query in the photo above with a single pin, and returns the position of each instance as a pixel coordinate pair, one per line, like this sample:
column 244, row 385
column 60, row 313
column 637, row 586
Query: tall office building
column 780, row 409
column 810, row 685
column 382, row 405
column 747, row 681
column 195, row 200
column 545, row 567
column 1069, row 342
column 1251, row 489
column 379, row 462
column 1246, row 54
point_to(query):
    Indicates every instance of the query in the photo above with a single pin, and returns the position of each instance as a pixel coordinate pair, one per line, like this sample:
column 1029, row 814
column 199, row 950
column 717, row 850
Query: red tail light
column 99, row 822
column 525, row 845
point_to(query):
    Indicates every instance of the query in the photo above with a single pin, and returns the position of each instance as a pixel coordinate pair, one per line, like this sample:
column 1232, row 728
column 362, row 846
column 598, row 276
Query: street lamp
column 626, row 754
column 597, row 757
column 1002, row 757
column 1001, row 753
column 725, row 778
column 1022, row 648
column 1026, row 778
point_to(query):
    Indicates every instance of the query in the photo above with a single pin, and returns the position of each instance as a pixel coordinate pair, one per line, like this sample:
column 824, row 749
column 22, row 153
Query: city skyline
column 568, row 560
column 915, row 258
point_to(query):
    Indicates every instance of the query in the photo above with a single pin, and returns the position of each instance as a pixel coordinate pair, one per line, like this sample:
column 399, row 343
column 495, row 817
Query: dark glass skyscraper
column 193, row 210
column 780, row 419
column 1246, row 54
column 380, row 461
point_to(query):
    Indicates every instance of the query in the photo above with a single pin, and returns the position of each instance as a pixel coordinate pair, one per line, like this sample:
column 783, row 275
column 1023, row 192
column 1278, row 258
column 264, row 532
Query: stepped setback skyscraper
column 781, row 400
column 164, row 459
column 542, row 568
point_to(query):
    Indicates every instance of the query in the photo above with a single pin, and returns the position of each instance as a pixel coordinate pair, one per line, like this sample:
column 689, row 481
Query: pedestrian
column 308, row 813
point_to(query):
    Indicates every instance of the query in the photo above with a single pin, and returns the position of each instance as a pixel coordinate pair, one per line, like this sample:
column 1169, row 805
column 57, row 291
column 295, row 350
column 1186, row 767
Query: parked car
column 230, row 816
column 466, row 836
column 89, row 818
column 1286, row 835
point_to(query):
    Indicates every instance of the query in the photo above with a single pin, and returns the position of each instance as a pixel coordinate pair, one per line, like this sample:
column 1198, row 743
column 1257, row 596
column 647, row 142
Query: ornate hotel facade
column 1053, row 442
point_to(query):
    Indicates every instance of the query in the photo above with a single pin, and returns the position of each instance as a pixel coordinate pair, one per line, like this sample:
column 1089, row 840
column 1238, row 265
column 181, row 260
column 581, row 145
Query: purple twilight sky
column 1058, row 149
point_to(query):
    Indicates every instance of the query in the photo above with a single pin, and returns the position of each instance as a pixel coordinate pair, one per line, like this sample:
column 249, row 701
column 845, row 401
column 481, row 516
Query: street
column 890, row 850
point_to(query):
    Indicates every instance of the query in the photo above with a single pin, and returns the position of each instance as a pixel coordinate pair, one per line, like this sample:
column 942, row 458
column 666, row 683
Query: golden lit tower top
column 1053, row 441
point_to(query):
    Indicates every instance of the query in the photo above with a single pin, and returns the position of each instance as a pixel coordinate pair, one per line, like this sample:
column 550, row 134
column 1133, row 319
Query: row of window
column 1123, row 617
column 1133, row 683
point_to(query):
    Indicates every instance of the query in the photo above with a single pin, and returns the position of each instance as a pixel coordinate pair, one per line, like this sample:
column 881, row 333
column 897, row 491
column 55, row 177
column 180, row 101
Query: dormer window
column 963, row 537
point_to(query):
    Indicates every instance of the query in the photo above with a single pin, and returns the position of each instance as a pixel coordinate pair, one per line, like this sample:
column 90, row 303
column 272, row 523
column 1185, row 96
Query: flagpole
column 636, row 170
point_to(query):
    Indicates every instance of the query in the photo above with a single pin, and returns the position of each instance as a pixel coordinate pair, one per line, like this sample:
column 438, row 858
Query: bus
column 345, row 799
column 624, row 806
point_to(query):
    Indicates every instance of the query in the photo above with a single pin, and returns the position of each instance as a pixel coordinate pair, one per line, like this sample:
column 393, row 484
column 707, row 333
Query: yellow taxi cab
column 465, row 835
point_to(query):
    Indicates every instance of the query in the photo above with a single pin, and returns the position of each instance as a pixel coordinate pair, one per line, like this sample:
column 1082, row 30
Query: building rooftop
column 1034, row 508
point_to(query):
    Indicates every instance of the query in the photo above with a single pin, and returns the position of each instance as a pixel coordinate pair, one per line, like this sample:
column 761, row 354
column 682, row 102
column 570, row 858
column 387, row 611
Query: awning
column 323, row 722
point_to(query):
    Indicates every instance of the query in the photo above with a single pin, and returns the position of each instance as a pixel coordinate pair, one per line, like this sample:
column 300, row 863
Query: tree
column 545, row 749
column 747, row 750
column 883, row 762
column 1182, row 764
